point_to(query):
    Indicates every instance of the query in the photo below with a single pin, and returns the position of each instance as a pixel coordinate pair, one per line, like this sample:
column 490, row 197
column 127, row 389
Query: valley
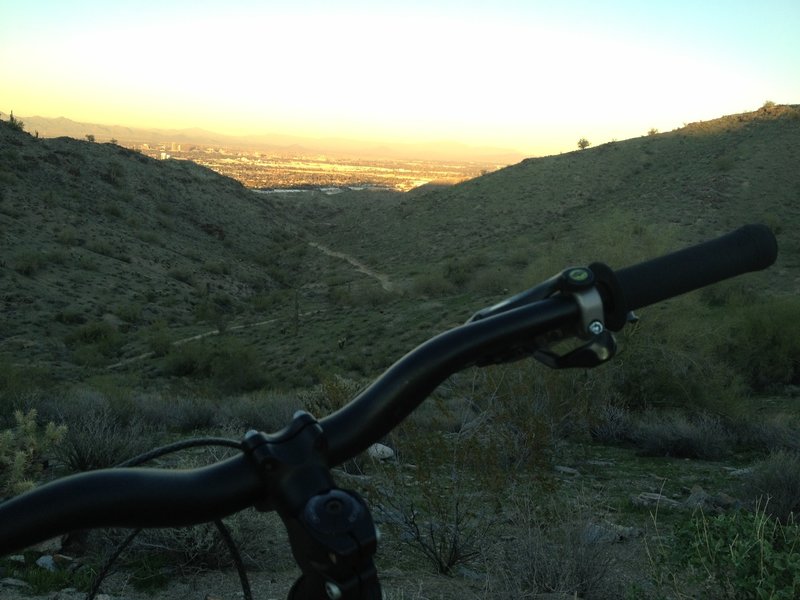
column 286, row 170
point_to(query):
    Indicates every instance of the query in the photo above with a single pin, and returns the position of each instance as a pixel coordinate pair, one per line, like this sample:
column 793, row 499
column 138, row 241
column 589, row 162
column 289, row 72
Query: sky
column 533, row 76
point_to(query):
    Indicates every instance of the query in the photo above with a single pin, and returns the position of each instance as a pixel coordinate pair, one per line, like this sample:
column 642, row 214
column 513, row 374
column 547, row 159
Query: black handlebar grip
column 749, row 248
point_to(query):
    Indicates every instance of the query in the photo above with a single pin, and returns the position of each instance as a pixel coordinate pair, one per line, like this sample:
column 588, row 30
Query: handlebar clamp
column 331, row 532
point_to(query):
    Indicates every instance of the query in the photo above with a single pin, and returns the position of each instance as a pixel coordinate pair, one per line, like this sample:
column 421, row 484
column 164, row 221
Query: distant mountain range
column 286, row 144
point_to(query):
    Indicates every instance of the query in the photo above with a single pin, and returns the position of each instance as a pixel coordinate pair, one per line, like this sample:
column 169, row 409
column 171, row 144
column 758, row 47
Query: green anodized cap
column 579, row 275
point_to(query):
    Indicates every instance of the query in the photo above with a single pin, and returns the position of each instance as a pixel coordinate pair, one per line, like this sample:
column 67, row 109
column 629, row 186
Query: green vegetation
column 15, row 123
column 145, row 301
column 24, row 450
column 740, row 555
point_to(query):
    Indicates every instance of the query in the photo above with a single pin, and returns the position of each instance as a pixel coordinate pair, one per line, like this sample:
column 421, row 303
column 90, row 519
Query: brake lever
column 581, row 284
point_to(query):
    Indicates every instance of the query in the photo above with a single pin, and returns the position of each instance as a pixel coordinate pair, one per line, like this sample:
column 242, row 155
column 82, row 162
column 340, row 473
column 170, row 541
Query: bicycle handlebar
column 133, row 498
column 749, row 248
column 157, row 498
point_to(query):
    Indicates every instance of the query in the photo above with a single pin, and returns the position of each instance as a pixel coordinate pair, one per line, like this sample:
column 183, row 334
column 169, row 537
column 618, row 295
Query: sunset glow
column 523, row 75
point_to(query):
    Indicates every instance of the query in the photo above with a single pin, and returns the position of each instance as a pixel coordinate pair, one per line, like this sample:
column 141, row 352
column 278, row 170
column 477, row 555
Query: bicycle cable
column 221, row 527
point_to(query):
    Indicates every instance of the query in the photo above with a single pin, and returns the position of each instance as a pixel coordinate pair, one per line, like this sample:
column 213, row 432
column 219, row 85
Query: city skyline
column 523, row 76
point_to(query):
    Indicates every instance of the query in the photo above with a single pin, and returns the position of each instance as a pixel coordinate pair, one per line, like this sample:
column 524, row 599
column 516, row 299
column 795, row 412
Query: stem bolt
column 596, row 328
column 333, row 590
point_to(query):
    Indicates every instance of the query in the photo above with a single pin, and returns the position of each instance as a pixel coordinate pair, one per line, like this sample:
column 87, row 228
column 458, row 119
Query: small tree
column 583, row 143
column 15, row 122
column 90, row 137
column 652, row 131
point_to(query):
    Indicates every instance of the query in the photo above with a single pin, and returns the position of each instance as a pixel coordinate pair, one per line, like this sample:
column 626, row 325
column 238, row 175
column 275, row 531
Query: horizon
column 515, row 76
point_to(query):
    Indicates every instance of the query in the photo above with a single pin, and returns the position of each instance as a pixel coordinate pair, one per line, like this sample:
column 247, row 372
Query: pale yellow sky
column 521, row 75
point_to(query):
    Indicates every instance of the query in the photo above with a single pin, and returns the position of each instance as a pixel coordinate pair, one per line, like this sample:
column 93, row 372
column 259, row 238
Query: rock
column 567, row 471
column 17, row 558
column 726, row 502
column 47, row 563
column 741, row 472
column 380, row 452
column 70, row 594
column 699, row 498
column 470, row 574
column 608, row 533
column 648, row 499
column 50, row 546
column 15, row 583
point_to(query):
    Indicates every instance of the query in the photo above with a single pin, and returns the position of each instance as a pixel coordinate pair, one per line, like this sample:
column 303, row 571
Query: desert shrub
column 15, row 123
column 672, row 373
column 551, row 554
column 182, row 275
column 779, row 432
column 493, row 280
column 739, row 555
column 263, row 411
column 764, row 342
column 29, row 263
column 610, row 423
column 106, row 249
column 329, row 395
column 259, row 536
column 726, row 293
column 216, row 267
column 774, row 484
column 114, row 174
column 19, row 389
column 226, row 361
column 130, row 312
column 158, row 338
column 24, row 451
column 440, row 519
column 677, row 435
column 183, row 414
column 94, row 342
column 432, row 284
column 98, row 435
column 71, row 315
column 444, row 533
column 189, row 359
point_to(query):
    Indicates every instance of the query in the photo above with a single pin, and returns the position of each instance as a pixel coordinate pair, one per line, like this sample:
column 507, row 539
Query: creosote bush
column 674, row 434
column 226, row 361
column 550, row 553
column 764, row 342
column 99, row 434
column 774, row 484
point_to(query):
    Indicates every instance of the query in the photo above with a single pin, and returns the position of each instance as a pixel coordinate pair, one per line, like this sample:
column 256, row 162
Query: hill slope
column 620, row 201
column 110, row 260
column 99, row 244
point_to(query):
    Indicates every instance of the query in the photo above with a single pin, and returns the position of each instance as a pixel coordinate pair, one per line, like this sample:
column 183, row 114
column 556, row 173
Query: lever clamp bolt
column 333, row 591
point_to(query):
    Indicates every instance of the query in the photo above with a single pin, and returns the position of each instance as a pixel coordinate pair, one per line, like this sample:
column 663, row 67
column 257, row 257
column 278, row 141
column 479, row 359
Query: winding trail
column 199, row 336
column 382, row 278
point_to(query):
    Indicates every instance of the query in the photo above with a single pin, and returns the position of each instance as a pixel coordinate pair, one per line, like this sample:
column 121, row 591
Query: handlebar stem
column 331, row 532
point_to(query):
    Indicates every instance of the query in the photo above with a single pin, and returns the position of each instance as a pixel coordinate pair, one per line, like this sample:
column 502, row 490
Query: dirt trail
column 199, row 336
column 384, row 280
